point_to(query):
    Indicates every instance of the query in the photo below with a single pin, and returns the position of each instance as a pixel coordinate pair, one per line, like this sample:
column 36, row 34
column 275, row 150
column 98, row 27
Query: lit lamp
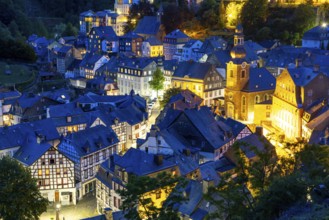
column 58, row 208
column 324, row 24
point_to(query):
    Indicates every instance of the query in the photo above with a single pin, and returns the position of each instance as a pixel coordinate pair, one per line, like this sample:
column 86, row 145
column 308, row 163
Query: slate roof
column 89, row 60
column 316, row 33
column 194, row 195
column 187, row 97
column 105, row 32
column 254, row 46
column 16, row 135
column 185, row 163
column 222, row 56
column 176, row 34
column 170, row 65
column 192, row 69
column 254, row 141
column 31, row 151
column 88, row 13
column 9, row 94
column 92, row 139
column 199, row 214
column 140, row 163
column 137, row 63
column 130, row 35
column 148, row 25
column 209, row 173
column 302, row 75
column 204, row 121
column 236, row 126
column 64, row 110
column 111, row 66
column 153, row 41
column 260, row 79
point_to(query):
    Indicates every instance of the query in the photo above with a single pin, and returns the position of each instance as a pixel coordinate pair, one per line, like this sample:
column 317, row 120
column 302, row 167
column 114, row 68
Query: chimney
column 316, row 68
column 259, row 131
column 158, row 159
column 187, row 152
column 108, row 214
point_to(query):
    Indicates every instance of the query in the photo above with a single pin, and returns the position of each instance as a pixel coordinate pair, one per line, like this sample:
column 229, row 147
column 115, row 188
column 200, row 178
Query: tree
column 156, row 83
column 168, row 94
column 303, row 18
column 221, row 17
column 138, row 205
column 70, row 30
column 253, row 15
column 19, row 195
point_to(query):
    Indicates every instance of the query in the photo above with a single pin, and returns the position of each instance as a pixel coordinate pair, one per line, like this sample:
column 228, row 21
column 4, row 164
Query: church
column 246, row 84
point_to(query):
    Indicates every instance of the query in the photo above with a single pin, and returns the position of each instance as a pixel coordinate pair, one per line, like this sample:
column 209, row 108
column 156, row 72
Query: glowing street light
column 324, row 24
column 58, row 208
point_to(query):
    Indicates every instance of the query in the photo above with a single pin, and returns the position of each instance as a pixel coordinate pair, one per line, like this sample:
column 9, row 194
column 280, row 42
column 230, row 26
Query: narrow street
column 83, row 209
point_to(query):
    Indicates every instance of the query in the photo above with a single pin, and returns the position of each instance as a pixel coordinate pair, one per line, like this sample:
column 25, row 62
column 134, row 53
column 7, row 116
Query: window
column 243, row 73
column 257, row 99
column 86, row 174
column 91, row 172
column 58, row 171
column 268, row 114
column 310, row 92
column 43, row 162
column 90, row 160
column 231, row 73
column 47, row 171
column 51, row 161
column 40, row 172
column 65, row 170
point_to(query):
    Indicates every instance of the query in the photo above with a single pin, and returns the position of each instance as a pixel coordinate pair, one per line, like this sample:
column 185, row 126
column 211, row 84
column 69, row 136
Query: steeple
column 238, row 35
column 238, row 50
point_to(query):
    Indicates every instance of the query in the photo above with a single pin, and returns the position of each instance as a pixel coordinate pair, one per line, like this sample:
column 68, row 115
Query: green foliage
column 157, row 81
column 303, row 18
column 16, row 49
column 70, row 30
column 253, row 15
column 168, row 94
column 134, row 195
column 19, row 195
column 275, row 186
column 137, row 12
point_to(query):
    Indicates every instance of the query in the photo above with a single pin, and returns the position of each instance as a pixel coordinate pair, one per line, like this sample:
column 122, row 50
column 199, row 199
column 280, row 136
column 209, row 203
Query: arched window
column 257, row 99
column 243, row 73
column 266, row 97
column 231, row 73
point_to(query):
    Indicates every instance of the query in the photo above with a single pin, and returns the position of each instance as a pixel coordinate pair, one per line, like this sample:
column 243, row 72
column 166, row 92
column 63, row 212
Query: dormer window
column 68, row 119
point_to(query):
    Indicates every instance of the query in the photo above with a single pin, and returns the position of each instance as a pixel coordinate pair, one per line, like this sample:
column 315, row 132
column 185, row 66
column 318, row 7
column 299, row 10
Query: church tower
column 237, row 76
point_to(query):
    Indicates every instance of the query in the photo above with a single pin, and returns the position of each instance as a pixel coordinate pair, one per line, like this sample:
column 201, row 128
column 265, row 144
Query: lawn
column 17, row 74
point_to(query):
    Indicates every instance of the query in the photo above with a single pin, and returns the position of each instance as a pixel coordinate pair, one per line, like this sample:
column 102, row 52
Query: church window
column 257, row 99
column 231, row 73
column 243, row 74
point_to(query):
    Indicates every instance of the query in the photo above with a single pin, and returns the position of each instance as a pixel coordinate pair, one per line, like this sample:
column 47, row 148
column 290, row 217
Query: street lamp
column 58, row 208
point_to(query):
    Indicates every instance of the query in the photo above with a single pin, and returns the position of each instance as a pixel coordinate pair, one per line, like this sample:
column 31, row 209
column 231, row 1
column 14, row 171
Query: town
column 119, row 118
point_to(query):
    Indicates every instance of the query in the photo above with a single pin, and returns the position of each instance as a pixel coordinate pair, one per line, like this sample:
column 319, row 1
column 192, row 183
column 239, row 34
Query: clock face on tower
column 243, row 65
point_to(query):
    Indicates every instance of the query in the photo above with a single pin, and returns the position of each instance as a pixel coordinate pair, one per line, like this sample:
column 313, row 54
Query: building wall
column 55, row 177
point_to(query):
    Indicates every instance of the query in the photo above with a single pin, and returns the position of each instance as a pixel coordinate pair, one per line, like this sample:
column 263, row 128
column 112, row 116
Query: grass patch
column 17, row 74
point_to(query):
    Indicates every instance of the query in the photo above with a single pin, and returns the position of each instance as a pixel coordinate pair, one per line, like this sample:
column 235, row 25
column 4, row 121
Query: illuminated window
column 40, row 172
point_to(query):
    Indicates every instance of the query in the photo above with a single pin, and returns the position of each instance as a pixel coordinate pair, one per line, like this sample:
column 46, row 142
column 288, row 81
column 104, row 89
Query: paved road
column 84, row 208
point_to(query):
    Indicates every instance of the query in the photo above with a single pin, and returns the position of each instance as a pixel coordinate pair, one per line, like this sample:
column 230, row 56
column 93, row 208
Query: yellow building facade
column 296, row 90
